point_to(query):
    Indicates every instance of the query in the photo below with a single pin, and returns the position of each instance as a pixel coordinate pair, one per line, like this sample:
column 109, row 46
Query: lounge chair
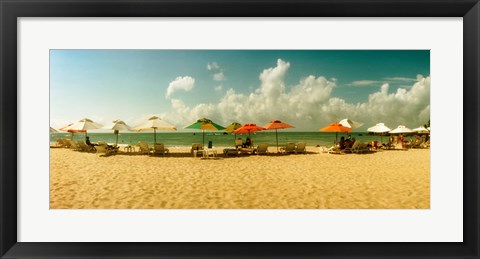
column 73, row 145
column 144, row 148
column 238, row 143
column 105, row 150
column 289, row 148
column 358, row 147
column 230, row 151
column 262, row 149
column 160, row 149
column 301, row 148
column 84, row 147
column 196, row 148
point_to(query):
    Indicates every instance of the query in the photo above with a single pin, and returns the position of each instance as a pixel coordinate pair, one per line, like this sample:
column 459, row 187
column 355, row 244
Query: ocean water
column 218, row 138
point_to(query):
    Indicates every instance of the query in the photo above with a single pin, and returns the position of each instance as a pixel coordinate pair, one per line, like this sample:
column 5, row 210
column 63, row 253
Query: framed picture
column 43, row 216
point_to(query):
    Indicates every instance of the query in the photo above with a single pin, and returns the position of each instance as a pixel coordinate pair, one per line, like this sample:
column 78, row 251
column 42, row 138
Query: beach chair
column 196, row 148
column 300, row 147
column 288, row 148
column 73, row 145
column 238, row 143
column 159, row 148
column 61, row 142
column 358, row 147
column 84, row 147
column 230, row 151
column 262, row 149
column 104, row 150
column 144, row 148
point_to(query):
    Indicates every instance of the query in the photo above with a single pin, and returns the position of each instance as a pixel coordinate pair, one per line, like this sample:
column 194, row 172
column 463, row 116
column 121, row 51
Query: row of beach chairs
column 197, row 148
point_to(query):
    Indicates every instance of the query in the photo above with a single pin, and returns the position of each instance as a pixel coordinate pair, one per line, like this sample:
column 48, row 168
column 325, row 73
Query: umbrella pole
column 203, row 138
column 336, row 137
column 276, row 137
column 116, row 142
column 154, row 136
column 85, row 136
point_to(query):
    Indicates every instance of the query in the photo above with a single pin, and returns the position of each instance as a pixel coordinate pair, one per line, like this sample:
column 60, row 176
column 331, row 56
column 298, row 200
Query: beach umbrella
column 233, row 126
column 154, row 123
column 83, row 125
column 52, row 130
column 116, row 126
column 336, row 127
column 205, row 124
column 248, row 129
column 401, row 129
column 350, row 123
column 421, row 130
column 66, row 129
column 379, row 128
column 276, row 125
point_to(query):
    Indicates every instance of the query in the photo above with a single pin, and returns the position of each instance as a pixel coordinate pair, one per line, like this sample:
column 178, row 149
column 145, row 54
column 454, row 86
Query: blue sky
column 308, row 88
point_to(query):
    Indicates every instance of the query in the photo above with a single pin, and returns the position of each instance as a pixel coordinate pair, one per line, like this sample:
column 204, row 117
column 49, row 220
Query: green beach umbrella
column 205, row 124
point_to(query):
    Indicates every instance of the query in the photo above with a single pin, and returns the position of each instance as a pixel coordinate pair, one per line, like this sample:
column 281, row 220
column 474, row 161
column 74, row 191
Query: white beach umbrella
column 421, row 129
column 350, row 124
column 154, row 123
column 400, row 130
column 379, row 128
column 83, row 125
column 116, row 126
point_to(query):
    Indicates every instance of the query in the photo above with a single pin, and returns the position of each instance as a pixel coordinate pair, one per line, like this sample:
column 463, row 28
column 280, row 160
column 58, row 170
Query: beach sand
column 385, row 179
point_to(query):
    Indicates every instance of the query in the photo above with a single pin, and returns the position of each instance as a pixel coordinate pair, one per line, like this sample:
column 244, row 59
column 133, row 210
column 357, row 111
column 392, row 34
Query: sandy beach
column 385, row 179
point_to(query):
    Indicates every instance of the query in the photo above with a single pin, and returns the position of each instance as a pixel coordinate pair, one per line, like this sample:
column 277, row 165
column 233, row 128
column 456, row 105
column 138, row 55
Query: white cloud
column 219, row 88
column 402, row 79
column 365, row 83
column 218, row 76
column 309, row 105
column 213, row 66
column 185, row 83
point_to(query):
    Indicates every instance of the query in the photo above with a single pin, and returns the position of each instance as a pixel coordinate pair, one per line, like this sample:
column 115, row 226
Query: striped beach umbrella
column 205, row 124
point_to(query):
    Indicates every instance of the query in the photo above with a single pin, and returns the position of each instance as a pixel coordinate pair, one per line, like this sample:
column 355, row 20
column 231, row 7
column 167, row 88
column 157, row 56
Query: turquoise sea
column 219, row 139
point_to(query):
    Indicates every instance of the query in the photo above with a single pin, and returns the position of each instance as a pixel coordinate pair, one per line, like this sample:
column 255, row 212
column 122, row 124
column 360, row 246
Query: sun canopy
column 118, row 125
column 276, row 125
column 233, row 126
column 421, row 129
column 379, row 128
column 350, row 123
column 248, row 128
column 154, row 123
column 336, row 127
column 401, row 129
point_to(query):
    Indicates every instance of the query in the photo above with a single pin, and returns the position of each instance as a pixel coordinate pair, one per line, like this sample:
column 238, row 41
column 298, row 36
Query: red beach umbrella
column 336, row 127
column 276, row 124
column 248, row 128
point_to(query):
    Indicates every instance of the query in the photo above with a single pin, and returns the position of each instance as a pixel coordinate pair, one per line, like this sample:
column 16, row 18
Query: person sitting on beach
column 90, row 144
column 342, row 143
column 248, row 142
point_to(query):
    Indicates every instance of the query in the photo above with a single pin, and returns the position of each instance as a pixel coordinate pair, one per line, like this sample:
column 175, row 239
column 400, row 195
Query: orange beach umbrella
column 336, row 127
column 276, row 124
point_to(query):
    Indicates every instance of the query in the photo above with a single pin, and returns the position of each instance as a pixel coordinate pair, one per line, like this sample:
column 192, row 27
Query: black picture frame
column 10, row 10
